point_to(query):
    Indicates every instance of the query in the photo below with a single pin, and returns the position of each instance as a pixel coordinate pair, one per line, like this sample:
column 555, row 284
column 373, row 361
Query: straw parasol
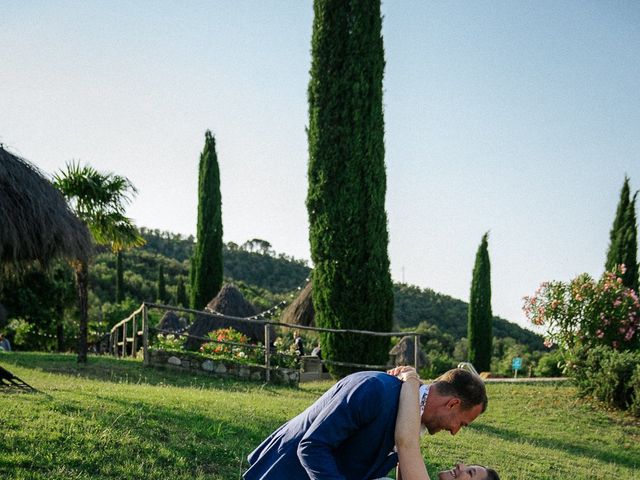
column 300, row 312
column 231, row 302
column 36, row 223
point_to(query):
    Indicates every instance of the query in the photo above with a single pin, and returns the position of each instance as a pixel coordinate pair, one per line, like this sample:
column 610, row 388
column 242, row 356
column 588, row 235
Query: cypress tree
column 480, row 318
column 119, row 277
column 352, row 286
column 181, row 294
column 206, row 263
column 162, row 290
column 623, row 241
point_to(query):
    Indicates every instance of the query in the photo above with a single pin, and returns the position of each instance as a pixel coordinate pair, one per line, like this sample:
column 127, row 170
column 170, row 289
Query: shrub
column 610, row 376
column 550, row 365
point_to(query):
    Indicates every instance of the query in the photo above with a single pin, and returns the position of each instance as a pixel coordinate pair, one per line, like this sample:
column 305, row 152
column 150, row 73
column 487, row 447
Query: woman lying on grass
column 407, row 434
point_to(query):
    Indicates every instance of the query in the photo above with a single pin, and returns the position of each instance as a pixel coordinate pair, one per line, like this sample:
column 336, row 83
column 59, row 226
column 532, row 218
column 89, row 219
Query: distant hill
column 266, row 278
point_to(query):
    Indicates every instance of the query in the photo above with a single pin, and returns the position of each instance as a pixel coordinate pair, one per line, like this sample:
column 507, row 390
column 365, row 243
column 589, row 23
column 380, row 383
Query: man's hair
column 466, row 386
column 492, row 474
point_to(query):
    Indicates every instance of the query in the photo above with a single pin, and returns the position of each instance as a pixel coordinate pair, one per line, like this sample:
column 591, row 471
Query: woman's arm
column 407, row 434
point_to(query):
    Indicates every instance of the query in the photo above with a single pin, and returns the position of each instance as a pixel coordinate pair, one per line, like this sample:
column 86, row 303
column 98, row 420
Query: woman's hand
column 404, row 373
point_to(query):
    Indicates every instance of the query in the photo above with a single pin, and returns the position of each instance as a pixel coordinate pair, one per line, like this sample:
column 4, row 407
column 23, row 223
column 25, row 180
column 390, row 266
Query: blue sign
column 516, row 364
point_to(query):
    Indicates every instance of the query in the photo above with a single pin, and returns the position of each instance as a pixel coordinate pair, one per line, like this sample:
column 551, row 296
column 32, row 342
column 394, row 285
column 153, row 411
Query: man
column 348, row 433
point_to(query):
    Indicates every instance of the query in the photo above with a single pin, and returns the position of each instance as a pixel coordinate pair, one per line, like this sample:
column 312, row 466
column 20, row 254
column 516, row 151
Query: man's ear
column 453, row 402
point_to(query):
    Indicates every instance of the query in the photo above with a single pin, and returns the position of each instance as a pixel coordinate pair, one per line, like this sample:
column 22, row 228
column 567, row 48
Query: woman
column 407, row 434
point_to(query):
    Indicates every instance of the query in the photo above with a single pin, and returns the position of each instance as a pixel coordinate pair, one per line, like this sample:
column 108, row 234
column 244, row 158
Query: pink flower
column 622, row 268
column 548, row 342
column 615, row 344
column 599, row 333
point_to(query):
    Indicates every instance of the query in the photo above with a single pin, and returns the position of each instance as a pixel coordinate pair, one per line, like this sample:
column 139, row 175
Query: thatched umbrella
column 231, row 302
column 402, row 353
column 172, row 322
column 301, row 311
column 36, row 223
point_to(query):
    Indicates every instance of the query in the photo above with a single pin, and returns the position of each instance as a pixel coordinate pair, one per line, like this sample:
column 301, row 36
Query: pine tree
column 181, row 294
column 480, row 318
column 623, row 238
column 162, row 290
column 206, row 263
column 352, row 286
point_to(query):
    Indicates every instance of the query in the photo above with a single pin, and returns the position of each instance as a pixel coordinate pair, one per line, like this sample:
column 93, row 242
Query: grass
column 116, row 419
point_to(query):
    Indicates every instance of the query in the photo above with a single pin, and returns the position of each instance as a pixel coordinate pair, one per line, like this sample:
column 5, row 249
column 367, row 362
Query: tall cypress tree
column 352, row 286
column 162, row 289
column 480, row 318
column 623, row 238
column 206, row 263
column 181, row 294
column 119, row 277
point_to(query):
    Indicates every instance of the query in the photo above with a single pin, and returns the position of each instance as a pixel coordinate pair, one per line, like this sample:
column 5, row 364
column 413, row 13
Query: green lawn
column 115, row 419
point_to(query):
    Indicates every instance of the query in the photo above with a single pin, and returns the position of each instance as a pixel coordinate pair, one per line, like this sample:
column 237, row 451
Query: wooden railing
column 128, row 335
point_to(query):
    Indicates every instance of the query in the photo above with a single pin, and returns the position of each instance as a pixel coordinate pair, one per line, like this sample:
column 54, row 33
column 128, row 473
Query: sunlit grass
column 116, row 419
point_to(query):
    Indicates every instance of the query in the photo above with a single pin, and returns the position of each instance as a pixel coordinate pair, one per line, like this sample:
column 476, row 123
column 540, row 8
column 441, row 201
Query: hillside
column 261, row 272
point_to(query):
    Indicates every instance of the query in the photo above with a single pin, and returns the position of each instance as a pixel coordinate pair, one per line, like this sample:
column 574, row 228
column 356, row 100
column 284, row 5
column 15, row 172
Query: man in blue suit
column 348, row 433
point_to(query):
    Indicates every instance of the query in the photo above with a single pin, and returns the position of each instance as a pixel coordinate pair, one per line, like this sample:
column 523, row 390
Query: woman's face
column 464, row 472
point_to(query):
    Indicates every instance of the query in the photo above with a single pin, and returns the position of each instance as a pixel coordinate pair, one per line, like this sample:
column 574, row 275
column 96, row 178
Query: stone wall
column 192, row 362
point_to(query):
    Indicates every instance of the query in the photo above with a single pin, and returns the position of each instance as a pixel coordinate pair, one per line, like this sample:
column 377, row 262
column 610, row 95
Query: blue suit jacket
column 347, row 434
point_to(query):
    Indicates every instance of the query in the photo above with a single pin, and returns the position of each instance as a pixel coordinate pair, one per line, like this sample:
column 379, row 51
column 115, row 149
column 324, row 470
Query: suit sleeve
column 345, row 414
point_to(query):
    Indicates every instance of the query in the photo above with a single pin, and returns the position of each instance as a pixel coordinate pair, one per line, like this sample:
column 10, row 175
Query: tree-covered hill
column 255, row 264
column 264, row 277
column 414, row 305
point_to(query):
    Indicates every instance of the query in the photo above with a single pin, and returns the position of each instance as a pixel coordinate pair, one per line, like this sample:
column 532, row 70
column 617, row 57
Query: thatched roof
column 229, row 302
column 172, row 322
column 37, row 224
column 402, row 353
column 300, row 312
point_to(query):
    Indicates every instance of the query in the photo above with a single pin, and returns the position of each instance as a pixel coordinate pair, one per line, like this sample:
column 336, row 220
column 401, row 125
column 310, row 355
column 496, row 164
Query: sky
column 516, row 118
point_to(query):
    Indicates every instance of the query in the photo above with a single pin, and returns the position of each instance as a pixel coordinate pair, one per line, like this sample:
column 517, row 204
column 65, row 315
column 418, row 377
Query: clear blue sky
column 521, row 118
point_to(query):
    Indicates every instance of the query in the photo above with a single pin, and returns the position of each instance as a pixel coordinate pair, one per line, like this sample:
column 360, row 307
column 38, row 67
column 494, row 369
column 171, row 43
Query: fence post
column 267, row 353
column 134, row 345
column 124, row 340
column 416, row 356
column 145, row 335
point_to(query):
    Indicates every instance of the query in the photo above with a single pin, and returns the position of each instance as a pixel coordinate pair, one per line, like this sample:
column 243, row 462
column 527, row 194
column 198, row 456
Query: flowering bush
column 170, row 341
column 228, row 350
column 596, row 325
column 584, row 313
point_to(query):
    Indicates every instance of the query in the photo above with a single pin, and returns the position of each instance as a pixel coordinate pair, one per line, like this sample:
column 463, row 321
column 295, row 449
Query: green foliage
column 551, row 364
column 623, row 239
column 181, row 294
column 119, row 277
column 609, row 375
column 479, row 325
column 162, row 290
column 413, row 305
column 347, row 181
column 170, row 342
column 206, row 263
column 39, row 299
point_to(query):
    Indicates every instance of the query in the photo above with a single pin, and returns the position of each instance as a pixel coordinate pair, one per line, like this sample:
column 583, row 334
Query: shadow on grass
column 120, row 435
column 130, row 371
column 572, row 449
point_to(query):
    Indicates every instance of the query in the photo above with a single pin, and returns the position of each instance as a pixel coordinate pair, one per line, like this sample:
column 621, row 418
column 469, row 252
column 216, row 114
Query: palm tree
column 99, row 200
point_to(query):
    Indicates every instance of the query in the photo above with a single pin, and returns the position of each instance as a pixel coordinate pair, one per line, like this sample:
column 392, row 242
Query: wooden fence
column 132, row 333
